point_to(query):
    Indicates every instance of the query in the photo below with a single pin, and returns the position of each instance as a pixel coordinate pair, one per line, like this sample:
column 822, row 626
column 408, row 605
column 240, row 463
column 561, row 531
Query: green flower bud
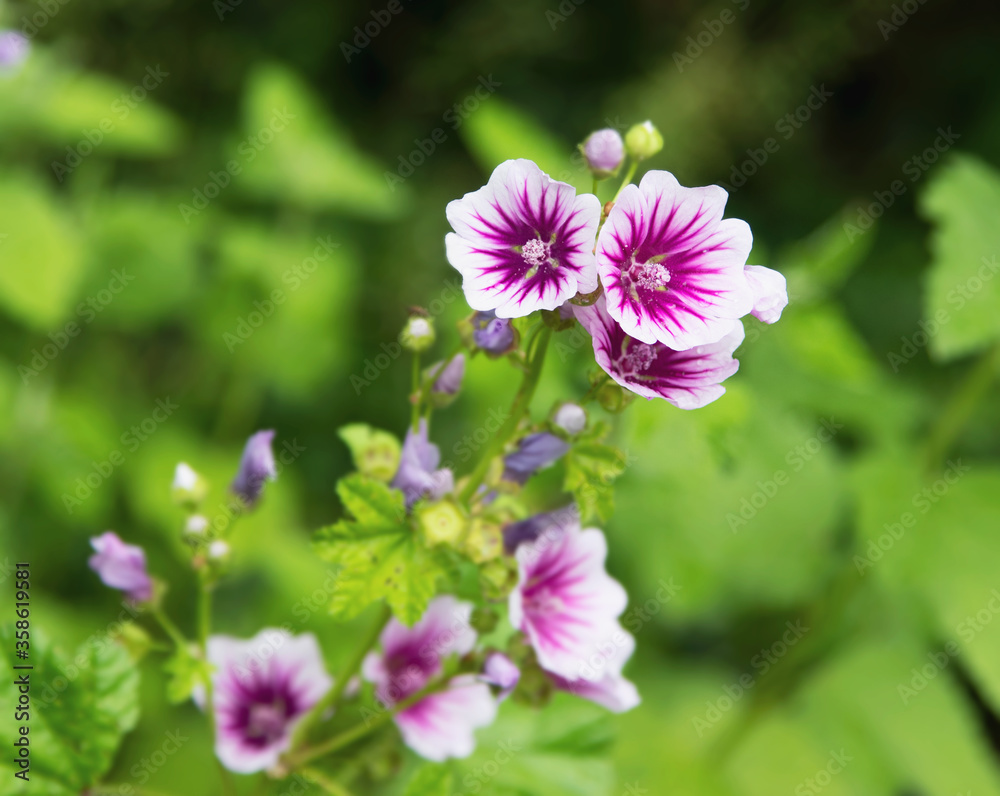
column 188, row 489
column 418, row 334
column 136, row 641
column 484, row 541
column 643, row 141
column 612, row 397
column 484, row 620
column 375, row 453
column 498, row 578
column 440, row 523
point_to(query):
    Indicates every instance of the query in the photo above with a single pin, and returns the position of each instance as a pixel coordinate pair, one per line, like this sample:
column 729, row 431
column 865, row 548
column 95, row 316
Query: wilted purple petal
column 492, row 334
column 256, row 466
column 523, row 242
column 770, row 292
column 418, row 475
column 533, row 453
column 121, row 566
column 552, row 523
column 449, row 380
column 671, row 267
column 687, row 379
column 262, row 687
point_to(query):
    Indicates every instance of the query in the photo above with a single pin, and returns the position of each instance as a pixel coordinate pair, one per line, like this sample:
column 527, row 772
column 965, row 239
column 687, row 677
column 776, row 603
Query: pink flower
column 671, row 267
column 441, row 724
column 608, row 688
column 565, row 601
column 688, row 379
column 523, row 242
column 262, row 687
column 770, row 293
column 121, row 566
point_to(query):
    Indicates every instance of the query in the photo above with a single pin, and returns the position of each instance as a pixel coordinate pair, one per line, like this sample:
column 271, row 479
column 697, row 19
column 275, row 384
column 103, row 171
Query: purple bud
column 533, row 453
column 256, row 466
column 418, row 475
column 13, row 49
column 449, row 380
column 527, row 531
column 604, row 151
column 502, row 672
column 492, row 334
column 121, row 566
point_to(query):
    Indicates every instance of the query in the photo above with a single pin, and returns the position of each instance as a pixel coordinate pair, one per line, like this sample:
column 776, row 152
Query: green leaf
column 431, row 780
column 40, row 253
column 304, row 157
column 499, row 131
column 185, row 671
column 379, row 554
column 375, row 453
column 963, row 294
column 79, row 710
column 591, row 469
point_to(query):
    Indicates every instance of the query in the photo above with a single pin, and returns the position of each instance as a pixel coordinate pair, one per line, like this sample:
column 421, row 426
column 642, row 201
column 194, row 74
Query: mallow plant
column 480, row 597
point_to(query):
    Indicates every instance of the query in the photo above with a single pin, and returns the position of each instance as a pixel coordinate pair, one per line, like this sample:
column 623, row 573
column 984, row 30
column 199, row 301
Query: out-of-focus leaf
column 820, row 263
column 963, row 289
column 79, row 711
column 591, row 470
column 292, row 151
column 40, row 263
column 431, row 780
column 498, row 131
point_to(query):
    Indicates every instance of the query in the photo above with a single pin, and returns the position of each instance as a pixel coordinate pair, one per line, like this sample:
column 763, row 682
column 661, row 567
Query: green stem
column 332, row 697
column 594, row 191
column 959, row 409
column 628, row 178
column 415, row 392
column 327, row 784
column 522, row 402
column 204, row 630
column 171, row 629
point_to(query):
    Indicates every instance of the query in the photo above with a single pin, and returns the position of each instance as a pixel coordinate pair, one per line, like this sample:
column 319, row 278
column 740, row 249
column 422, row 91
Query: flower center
column 651, row 275
column 266, row 720
column 639, row 357
column 535, row 252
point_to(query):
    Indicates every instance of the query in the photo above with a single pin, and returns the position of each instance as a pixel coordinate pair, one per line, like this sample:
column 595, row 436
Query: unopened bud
column 375, row 453
column 441, row 523
column 188, row 488
column 643, row 141
column 570, row 418
column 604, row 151
column 418, row 334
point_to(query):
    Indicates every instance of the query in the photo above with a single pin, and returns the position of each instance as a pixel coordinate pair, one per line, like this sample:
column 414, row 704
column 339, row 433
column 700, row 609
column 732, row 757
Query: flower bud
column 188, row 488
column 484, row 541
column 483, row 620
column 534, row 452
column 375, row 453
column 196, row 525
column 256, row 466
column 501, row 672
column 498, row 578
column 643, row 141
column 13, row 49
column 604, row 151
column 448, row 380
column 440, row 523
column 418, row 334
column 121, row 566
column 495, row 336
column 570, row 418
column 612, row 397
column 136, row 641
column 218, row 551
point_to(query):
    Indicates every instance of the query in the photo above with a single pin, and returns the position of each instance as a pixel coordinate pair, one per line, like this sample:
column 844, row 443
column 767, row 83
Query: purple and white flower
column 608, row 687
column 523, row 242
column 418, row 476
column 262, row 687
column 770, row 292
column 442, row 724
column 671, row 266
column 688, row 379
column 256, row 466
column 121, row 566
column 566, row 603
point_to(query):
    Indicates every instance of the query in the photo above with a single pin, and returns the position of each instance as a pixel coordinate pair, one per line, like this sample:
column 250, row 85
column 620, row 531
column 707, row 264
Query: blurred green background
column 138, row 264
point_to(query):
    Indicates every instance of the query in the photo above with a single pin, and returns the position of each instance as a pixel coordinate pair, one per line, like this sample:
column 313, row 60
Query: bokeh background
column 862, row 397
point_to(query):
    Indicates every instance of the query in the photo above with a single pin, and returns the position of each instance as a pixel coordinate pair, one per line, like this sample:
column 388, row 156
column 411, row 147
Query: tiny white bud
column 196, row 525
column 218, row 550
column 570, row 418
column 185, row 478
